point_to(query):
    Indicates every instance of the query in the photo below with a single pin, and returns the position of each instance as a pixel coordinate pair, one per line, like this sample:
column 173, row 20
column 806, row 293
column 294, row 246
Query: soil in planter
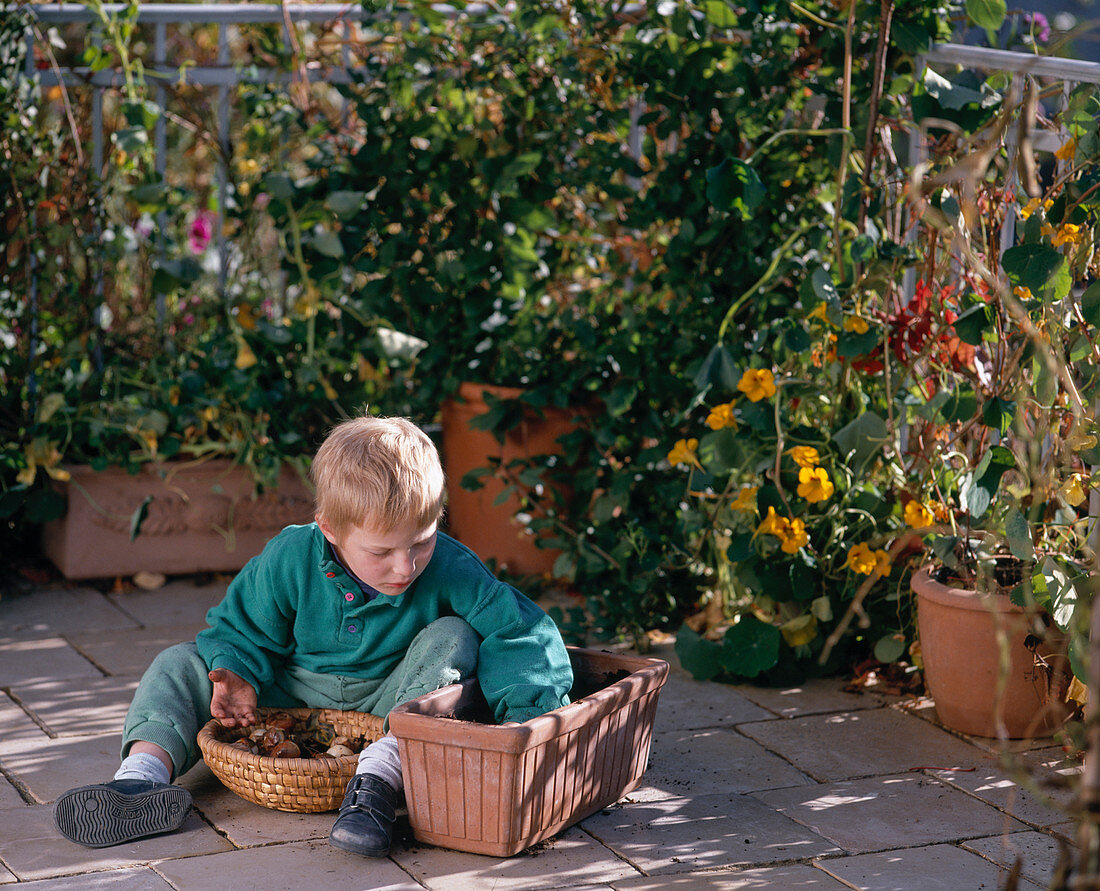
column 477, row 710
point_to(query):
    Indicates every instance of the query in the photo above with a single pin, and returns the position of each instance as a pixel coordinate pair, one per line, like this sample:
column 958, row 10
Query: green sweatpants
column 172, row 702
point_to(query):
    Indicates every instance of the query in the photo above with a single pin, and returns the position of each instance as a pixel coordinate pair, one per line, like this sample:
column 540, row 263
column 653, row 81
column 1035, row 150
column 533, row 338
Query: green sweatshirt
column 294, row 604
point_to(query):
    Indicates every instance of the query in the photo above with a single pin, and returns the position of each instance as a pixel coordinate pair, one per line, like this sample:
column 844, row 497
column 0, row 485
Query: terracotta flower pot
column 202, row 518
column 480, row 519
column 963, row 663
column 497, row 789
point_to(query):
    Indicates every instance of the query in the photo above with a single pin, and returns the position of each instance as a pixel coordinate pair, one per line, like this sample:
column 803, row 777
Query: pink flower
column 202, row 230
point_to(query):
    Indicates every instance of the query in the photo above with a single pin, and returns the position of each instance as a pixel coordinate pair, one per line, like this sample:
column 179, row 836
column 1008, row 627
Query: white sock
column 383, row 760
column 143, row 766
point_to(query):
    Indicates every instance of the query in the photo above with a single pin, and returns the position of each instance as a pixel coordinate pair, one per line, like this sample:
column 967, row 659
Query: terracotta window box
column 497, row 789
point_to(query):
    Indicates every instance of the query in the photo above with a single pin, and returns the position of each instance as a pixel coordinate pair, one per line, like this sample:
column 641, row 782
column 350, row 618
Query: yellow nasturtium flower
column 245, row 357
column 917, row 515
column 746, row 499
column 863, row 560
column 42, row 453
column 1072, row 491
column 1033, row 205
column 814, row 484
column 856, row 324
column 757, row 384
column 1069, row 233
column 684, row 452
column 1067, row 151
column 1022, row 292
column 721, row 416
column 804, row 456
column 799, row 630
column 796, row 537
column 772, row 524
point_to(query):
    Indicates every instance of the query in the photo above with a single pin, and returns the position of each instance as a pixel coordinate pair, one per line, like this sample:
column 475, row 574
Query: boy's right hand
column 234, row 699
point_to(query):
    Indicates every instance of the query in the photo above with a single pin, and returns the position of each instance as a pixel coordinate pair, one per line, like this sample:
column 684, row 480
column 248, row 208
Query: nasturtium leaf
column 740, row 547
column 1036, row 267
column 734, row 186
column 970, row 325
column 890, row 648
column 960, row 405
column 721, row 451
column 701, row 657
column 978, row 493
column 278, row 186
column 861, row 439
column 851, row 345
column 718, row 369
column 345, row 204
column 43, row 506
column 823, row 285
column 988, row 14
column 750, row 647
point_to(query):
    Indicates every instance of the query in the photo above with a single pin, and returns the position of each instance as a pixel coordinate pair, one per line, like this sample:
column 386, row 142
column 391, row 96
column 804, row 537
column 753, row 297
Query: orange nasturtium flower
column 684, row 452
column 1022, row 292
column 757, row 384
column 917, row 515
column 721, row 416
column 863, row 560
column 804, row 456
column 814, row 484
column 746, row 499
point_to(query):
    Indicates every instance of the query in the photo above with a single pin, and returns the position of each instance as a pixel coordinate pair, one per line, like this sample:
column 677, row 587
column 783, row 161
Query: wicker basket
column 302, row 785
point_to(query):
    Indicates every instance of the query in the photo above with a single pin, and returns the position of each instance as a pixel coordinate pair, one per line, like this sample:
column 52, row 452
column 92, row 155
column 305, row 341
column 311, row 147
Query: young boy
column 365, row 608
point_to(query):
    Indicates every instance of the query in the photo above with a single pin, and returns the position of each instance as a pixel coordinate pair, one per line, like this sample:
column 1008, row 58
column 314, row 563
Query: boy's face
column 387, row 561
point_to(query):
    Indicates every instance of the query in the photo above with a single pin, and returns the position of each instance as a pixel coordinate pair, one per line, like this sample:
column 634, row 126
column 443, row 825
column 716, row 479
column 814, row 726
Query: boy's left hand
column 234, row 700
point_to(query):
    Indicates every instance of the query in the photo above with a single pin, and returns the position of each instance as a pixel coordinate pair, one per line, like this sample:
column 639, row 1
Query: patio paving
column 807, row 787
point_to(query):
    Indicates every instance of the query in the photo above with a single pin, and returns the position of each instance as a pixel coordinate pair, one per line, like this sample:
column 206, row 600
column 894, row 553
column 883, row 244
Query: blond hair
column 378, row 473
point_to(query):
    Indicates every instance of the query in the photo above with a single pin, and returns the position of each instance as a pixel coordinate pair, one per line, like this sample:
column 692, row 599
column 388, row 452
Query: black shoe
column 365, row 824
column 120, row 811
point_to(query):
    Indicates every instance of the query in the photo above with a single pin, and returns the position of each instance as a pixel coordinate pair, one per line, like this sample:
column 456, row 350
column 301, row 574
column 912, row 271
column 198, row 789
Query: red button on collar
column 349, row 596
column 331, row 575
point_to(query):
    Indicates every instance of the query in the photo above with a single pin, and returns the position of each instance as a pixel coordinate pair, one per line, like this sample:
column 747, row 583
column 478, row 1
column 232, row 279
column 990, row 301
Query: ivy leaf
column 719, row 370
column 1090, row 305
column 138, row 516
column 948, row 94
column 750, row 647
column 985, row 480
column 1018, row 533
column 970, row 325
column 345, row 204
column 328, row 243
column 701, row 657
column 734, row 186
column 997, row 414
column 988, row 14
column 720, row 14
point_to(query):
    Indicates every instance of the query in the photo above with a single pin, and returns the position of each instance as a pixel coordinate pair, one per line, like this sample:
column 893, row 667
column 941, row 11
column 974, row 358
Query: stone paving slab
column 17, row 730
column 128, row 653
column 685, row 704
column 879, row 813
column 41, row 659
column 703, row 832
column 7, row 877
column 32, row 848
column 47, row 612
column 777, row 878
column 814, row 697
column 141, row 879
column 924, row 708
column 63, row 706
column 1012, row 794
column 247, row 824
column 311, row 864
column 9, row 795
column 689, row 762
column 180, row 602
column 932, row 868
column 53, row 766
column 569, row 860
column 1038, row 853
column 842, row 746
